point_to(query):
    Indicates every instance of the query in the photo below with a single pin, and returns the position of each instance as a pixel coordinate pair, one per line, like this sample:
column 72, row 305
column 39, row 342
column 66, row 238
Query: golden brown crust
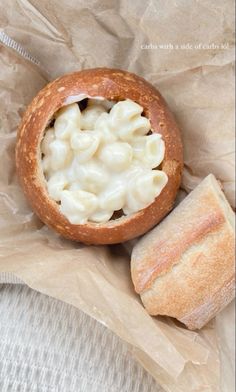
column 171, row 244
column 184, row 268
column 113, row 85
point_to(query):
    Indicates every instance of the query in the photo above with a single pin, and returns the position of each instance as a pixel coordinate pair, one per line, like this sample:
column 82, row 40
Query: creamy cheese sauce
column 101, row 160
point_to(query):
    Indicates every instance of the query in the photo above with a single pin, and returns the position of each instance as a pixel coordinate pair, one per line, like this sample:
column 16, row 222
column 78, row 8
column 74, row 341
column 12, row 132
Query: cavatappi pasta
column 101, row 160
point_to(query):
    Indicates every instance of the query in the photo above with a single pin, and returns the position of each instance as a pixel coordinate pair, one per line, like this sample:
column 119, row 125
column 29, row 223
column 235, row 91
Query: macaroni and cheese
column 101, row 160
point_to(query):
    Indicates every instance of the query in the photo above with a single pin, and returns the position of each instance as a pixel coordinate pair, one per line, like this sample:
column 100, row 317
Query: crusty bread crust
column 184, row 268
column 113, row 85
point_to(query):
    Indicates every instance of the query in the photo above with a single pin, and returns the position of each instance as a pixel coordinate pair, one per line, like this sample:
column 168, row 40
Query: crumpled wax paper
column 185, row 48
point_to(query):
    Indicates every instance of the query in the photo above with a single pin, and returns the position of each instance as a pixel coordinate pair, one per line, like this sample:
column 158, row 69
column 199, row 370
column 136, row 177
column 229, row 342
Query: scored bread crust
column 112, row 84
column 184, row 268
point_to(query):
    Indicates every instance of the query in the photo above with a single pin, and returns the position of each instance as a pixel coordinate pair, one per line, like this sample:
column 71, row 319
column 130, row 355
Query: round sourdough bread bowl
column 111, row 84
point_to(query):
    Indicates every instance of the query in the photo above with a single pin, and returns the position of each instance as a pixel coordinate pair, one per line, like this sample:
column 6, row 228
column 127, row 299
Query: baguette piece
column 184, row 267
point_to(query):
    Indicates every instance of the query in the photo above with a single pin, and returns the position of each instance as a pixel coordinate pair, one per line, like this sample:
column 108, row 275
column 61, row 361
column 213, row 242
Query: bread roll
column 184, row 267
column 113, row 85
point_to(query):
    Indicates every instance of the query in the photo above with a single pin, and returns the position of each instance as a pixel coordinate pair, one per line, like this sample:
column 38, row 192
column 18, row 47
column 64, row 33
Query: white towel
column 49, row 346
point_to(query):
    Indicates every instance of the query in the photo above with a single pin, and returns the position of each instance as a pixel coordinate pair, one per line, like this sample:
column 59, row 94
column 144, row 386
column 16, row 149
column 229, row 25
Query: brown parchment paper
column 185, row 48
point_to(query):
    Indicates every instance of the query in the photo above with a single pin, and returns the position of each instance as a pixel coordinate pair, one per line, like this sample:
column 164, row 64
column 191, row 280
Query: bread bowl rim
column 111, row 84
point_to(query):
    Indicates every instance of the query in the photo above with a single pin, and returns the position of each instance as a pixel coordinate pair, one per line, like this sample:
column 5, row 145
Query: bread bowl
column 184, row 267
column 111, row 85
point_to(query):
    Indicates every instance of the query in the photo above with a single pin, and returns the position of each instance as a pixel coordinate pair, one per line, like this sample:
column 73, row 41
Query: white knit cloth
column 49, row 346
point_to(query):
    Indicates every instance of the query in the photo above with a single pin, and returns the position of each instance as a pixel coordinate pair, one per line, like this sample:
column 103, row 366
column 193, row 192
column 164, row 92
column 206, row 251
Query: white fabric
column 49, row 346
column 6, row 277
